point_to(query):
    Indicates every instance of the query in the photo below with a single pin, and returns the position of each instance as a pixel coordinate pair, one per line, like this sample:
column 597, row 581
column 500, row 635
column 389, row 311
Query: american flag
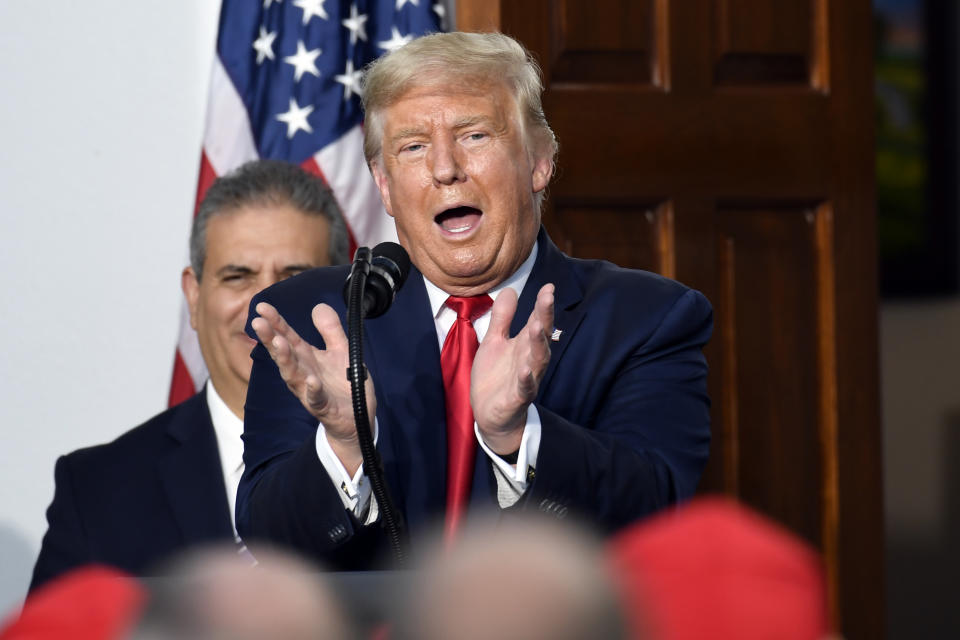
column 285, row 85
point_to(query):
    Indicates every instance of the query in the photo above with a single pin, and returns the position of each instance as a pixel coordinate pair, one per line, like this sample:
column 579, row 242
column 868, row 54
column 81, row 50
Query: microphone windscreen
column 396, row 254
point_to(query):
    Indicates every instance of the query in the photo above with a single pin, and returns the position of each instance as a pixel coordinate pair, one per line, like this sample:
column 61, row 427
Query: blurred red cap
column 89, row 603
column 714, row 569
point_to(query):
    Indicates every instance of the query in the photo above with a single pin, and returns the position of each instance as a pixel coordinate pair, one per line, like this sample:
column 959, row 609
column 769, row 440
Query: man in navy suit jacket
column 170, row 483
column 588, row 389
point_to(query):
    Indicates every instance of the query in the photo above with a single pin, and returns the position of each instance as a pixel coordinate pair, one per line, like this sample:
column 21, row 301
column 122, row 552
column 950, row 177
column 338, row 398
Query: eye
column 412, row 148
column 236, row 278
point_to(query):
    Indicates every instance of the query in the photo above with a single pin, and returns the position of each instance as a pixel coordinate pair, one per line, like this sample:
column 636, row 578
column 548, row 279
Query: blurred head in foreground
column 523, row 579
column 215, row 594
column 714, row 569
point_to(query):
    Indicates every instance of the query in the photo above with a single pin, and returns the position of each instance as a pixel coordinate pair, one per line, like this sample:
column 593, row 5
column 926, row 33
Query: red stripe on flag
column 206, row 178
column 181, row 386
column 310, row 165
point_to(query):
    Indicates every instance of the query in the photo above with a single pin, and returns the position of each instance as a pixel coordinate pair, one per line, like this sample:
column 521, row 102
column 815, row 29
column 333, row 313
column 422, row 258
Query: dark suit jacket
column 623, row 404
column 153, row 491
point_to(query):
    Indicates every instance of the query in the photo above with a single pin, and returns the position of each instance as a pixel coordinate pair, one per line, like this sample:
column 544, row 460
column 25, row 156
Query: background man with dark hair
column 171, row 482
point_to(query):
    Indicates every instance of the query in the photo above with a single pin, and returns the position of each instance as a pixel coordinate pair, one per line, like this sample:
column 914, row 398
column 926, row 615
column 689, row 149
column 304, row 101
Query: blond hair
column 456, row 58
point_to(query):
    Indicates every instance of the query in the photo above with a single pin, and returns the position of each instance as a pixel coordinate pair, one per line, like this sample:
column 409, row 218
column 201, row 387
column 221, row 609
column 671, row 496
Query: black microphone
column 386, row 268
column 374, row 279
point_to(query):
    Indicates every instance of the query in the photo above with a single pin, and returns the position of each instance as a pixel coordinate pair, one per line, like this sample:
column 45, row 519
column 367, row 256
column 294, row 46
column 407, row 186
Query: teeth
column 459, row 229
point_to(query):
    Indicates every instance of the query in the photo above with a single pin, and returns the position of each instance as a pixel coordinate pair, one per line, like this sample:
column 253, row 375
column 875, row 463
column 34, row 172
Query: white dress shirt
column 511, row 480
column 228, row 428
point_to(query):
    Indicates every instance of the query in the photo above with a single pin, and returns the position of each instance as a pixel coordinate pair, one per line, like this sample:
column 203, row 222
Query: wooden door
column 729, row 144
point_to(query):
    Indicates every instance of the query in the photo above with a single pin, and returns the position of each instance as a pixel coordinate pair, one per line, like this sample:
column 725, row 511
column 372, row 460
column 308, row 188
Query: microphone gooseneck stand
column 391, row 519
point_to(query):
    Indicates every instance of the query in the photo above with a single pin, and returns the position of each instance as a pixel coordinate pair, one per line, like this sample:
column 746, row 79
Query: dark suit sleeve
column 65, row 543
column 286, row 496
column 646, row 443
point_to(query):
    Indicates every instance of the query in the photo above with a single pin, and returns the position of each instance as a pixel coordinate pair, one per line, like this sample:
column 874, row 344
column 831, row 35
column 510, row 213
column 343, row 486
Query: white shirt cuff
column 516, row 477
column 354, row 492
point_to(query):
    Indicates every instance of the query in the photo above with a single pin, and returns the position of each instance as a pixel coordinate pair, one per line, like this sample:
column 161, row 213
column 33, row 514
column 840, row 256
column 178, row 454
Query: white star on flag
column 350, row 80
column 400, row 3
column 267, row 3
column 396, row 40
column 440, row 10
column 357, row 25
column 264, row 45
column 311, row 8
column 304, row 61
column 296, row 118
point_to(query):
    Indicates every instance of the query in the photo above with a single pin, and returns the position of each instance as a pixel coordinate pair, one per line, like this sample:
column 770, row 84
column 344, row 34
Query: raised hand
column 318, row 376
column 507, row 371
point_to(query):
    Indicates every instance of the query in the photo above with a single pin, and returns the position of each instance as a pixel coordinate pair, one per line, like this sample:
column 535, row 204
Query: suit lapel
column 191, row 475
column 551, row 266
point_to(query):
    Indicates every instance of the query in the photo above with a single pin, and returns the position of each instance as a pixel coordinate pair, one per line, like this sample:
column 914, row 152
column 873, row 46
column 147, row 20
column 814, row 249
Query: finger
column 316, row 394
column 501, row 314
column 537, row 355
column 527, row 385
column 539, row 345
column 327, row 322
column 278, row 324
column 263, row 330
column 283, row 355
column 267, row 311
column 543, row 308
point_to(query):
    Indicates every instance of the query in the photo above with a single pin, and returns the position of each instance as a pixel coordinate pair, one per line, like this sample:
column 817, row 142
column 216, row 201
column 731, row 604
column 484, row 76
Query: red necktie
column 456, row 360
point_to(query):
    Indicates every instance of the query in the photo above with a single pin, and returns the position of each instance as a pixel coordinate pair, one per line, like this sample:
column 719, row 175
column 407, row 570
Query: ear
column 380, row 177
column 191, row 291
column 542, row 171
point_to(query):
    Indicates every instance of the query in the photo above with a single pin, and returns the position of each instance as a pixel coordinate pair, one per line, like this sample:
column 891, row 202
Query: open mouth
column 458, row 219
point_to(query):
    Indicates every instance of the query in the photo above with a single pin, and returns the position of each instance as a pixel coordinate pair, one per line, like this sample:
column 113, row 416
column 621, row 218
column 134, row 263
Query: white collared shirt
column 228, row 429
column 511, row 481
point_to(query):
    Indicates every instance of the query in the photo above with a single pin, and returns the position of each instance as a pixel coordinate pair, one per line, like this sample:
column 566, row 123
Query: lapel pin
column 555, row 336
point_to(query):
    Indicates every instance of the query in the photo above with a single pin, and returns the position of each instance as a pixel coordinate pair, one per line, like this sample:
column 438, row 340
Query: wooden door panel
column 764, row 27
column 771, row 360
column 607, row 41
column 728, row 146
column 728, row 143
column 760, row 42
column 638, row 236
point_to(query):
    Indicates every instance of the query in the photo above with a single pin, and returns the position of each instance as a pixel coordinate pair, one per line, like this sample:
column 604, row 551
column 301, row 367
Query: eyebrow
column 462, row 123
column 405, row 134
column 235, row 269
column 299, row 267
column 470, row 121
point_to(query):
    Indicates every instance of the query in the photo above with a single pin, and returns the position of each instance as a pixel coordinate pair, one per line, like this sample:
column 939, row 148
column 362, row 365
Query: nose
column 270, row 278
column 444, row 163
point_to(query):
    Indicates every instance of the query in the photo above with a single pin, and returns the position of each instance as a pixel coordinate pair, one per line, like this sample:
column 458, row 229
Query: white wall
column 920, row 362
column 920, row 365
column 102, row 106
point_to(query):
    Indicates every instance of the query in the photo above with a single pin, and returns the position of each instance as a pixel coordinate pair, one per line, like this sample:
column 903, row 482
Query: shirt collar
column 228, row 428
column 516, row 282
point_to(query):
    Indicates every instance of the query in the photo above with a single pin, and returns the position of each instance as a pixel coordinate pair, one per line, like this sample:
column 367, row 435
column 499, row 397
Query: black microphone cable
column 386, row 268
